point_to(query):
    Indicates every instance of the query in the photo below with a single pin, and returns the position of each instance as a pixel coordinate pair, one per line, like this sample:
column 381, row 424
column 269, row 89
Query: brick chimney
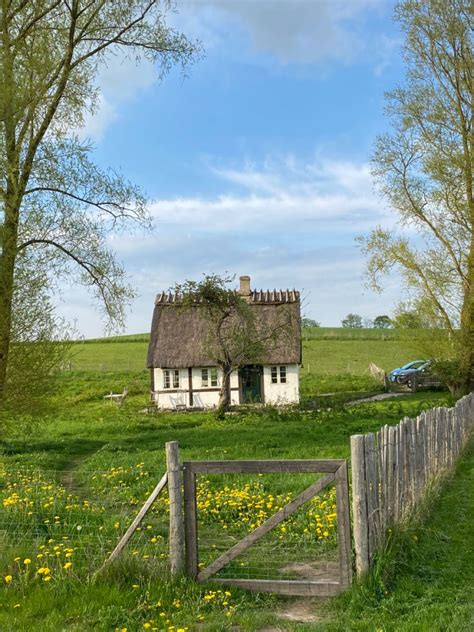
column 244, row 289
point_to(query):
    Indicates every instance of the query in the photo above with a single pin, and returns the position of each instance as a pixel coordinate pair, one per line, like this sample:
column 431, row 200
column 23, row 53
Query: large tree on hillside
column 53, row 199
column 424, row 168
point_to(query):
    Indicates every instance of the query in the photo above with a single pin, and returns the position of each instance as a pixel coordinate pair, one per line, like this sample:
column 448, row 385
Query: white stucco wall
column 208, row 397
column 203, row 397
column 286, row 393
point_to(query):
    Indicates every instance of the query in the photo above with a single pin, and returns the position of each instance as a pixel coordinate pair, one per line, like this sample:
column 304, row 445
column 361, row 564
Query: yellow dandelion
column 26, row 561
column 47, row 578
column 8, row 579
column 67, row 565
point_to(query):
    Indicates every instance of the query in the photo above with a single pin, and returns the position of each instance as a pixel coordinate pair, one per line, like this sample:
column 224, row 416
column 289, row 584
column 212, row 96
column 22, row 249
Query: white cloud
column 95, row 124
column 301, row 31
column 331, row 194
column 120, row 79
column 388, row 48
column 287, row 223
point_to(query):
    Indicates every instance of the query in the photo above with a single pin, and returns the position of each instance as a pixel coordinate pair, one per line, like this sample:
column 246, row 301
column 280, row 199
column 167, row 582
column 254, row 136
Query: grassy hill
column 328, row 353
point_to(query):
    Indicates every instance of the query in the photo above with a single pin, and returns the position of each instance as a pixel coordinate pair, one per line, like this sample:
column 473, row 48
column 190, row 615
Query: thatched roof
column 178, row 334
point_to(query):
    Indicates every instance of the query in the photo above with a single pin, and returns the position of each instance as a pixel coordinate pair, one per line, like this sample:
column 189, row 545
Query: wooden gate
column 333, row 470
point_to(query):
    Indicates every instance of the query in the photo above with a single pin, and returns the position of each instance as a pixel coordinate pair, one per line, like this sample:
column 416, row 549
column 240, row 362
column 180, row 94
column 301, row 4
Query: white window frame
column 214, row 376
column 274, row 374
column 176, row 377
column 283, row 374
column 204, row 378
column 166, row 378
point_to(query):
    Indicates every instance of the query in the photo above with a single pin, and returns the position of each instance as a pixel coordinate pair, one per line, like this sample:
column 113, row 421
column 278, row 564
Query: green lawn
column 82, row 471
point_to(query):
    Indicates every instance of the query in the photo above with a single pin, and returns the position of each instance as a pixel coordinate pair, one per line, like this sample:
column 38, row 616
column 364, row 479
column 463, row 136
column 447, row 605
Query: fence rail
column 393, row 468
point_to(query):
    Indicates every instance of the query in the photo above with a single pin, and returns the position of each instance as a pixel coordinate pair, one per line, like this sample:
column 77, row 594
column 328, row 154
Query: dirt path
column 67, row 476
column 375, row 398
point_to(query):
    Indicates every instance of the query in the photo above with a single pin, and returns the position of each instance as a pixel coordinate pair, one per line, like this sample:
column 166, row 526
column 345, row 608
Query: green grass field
column 334, row 359
column 72, row 483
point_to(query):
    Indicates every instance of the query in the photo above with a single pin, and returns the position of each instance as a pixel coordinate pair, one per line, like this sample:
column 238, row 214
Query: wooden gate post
column 359, row 503
column 176, row 535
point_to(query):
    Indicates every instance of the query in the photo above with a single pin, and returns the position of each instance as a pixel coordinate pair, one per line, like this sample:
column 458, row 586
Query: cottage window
column 209, row 377
column 274, row 372
column 176, row 378
column 166, row 379
column 283, row 374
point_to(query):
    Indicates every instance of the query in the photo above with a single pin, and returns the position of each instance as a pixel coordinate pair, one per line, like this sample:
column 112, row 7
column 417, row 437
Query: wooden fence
column 393, row 468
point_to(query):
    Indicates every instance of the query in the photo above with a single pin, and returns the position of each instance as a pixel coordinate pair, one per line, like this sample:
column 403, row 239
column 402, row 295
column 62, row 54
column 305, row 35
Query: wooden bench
column 118, row 398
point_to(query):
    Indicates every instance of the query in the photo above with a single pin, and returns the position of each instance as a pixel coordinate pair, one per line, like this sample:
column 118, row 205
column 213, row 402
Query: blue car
column 405, row 374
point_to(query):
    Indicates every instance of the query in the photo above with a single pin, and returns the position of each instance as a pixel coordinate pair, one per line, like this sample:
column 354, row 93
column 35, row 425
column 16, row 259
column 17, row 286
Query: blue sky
column 256, row 162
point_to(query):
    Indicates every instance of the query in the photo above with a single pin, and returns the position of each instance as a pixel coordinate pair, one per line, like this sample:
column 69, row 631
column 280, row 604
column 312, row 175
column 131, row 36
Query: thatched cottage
column 182, row 376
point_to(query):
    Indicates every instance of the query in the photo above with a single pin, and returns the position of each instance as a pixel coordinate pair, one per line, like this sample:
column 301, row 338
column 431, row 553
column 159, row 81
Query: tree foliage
column 54, row 200
column 424, row 169
column 352, row 321
column 40, row 345
column 309, row 322
column 382, row 322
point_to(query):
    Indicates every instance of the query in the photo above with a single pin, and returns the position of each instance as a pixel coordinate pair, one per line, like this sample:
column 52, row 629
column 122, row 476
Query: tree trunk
column 224, row 394
column 8, row 242
column 467, row 327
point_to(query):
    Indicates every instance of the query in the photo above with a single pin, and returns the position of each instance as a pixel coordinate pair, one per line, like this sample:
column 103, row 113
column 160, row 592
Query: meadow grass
column 91, row 464
column 334, row 359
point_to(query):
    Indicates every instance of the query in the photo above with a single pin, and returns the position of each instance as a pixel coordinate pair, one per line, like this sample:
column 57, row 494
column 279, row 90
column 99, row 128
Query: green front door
column 251, row 383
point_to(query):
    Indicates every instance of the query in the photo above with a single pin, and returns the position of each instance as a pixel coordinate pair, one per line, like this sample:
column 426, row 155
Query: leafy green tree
column 407, row 320
column 424, row 168
column 236, row 338
column 41, row 343
column 352, row 321
column 309, row 322
column 382, row 322
column 53, row 199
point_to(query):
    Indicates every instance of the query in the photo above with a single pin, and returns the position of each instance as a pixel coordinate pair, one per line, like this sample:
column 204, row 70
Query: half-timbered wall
column 193, row 394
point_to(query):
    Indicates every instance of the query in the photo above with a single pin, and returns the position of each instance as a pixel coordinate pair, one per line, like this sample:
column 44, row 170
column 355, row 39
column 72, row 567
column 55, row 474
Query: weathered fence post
column 359, row 504
column 176, row 535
